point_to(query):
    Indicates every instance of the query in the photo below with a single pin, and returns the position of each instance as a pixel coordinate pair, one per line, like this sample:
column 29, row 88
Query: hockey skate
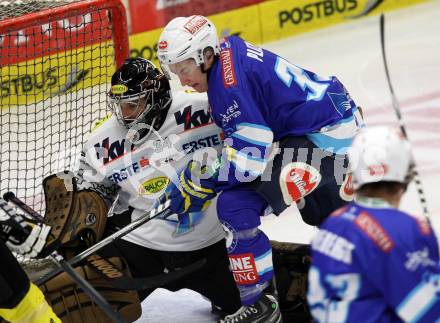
column 265, row 310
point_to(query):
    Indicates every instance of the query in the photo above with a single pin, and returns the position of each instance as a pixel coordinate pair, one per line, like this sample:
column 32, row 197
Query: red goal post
column 56, row 61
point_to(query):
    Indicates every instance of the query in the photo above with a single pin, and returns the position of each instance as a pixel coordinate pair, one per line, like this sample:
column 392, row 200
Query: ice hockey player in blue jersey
column 286, row 134
column 370, row 261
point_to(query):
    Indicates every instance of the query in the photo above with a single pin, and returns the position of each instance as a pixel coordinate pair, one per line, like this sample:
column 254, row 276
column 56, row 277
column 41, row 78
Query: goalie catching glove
column 195, row 191
column 74, row 220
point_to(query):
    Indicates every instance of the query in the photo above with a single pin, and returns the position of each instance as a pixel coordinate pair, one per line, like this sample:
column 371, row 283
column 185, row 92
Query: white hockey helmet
column 380, row 154
column 187, row 37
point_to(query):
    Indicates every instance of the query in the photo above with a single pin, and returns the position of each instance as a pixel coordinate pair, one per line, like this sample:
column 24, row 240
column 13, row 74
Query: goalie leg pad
column 71, row 304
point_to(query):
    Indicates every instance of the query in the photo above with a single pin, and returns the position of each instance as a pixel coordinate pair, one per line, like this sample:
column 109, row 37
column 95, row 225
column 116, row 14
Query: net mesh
column 54, row 80
column 13, row 9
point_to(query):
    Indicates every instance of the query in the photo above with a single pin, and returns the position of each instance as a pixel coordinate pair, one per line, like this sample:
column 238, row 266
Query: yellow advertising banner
column 284, row 18
column 36, row 80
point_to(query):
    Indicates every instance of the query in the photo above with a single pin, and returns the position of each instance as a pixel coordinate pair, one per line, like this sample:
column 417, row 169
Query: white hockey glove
column 22, row 235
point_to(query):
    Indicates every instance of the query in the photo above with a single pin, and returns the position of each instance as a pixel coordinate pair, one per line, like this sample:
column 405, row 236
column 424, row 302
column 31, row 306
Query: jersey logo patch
column 153, row 185
column 374, row 231
column 243, row 268
column 228, row 71
column 192, row 119
column 298, row 180
column 346, row 192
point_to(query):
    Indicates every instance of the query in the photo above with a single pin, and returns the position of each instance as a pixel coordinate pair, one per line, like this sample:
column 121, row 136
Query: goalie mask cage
column 56, row 61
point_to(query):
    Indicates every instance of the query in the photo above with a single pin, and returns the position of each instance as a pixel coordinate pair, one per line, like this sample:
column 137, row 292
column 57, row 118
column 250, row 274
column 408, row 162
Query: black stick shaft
column 161, row 211
column 396, row 107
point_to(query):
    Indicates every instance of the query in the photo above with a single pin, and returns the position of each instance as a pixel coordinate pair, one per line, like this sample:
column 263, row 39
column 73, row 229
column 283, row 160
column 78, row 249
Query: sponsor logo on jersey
column 333, row 246
column 210, row 141
column 243, row 268
column 109, row 152
column 228, row 70
column 195, row 24
column 298, row 180
column 191, row 119
column 341, row 102
column 231, row 112
column 418, row 258
column 154, row 185
column 346, row 192
column 374, row 231
column 119, row 89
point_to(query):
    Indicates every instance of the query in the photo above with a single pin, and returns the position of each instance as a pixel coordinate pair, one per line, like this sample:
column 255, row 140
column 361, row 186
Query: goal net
column 56, row 60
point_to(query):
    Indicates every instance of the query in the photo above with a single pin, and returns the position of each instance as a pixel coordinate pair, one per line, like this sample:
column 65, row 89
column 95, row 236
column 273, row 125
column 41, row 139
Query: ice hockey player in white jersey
column 132, row 156
column 370, row 261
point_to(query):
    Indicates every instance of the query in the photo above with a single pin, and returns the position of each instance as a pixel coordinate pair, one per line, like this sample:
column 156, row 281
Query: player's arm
column 248, row 140
column 247, row 144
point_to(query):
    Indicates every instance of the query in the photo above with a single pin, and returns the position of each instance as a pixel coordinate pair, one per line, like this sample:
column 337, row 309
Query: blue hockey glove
column 195, row 193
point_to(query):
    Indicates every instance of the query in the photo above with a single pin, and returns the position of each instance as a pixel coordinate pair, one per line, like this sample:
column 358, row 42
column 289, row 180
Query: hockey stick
column 162, row 211
column 121, row 283
column 78, row 279
column 151, row 282
column 396, row 107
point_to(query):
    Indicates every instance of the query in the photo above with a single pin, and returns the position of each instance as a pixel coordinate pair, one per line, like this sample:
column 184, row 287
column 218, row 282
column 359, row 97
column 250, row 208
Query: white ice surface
column 352, row 52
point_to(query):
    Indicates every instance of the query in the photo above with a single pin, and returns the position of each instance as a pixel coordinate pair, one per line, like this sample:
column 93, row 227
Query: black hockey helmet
column 139, row 93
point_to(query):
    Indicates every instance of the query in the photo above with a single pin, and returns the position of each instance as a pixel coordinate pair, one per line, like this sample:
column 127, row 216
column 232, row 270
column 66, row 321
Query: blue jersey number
column 287, row 72
column 332, row 304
